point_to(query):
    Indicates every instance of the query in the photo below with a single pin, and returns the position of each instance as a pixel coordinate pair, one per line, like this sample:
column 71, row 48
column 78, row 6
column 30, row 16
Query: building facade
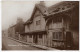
column 35, row 28
column 11, row 31
column 61, row 24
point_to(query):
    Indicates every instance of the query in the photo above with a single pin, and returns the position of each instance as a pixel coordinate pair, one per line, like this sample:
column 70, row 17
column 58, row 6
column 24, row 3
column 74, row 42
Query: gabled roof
column 61, row 7
column 39, row 7
column 63, row 4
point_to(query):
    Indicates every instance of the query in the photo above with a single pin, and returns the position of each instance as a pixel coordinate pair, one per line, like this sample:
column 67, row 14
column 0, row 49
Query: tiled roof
column 40, row 7
column 62, row 6
column 54, row 9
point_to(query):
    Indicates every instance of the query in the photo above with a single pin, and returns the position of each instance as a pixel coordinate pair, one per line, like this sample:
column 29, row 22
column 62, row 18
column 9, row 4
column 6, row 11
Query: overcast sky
column 13, row 9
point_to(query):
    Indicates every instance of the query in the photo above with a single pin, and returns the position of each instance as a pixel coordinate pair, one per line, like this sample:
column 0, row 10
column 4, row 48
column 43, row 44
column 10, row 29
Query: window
column 38, row 22
column 57, row 35
column 58, row 19
column 40, row 36
column 60, row 35
column 53, row 35
column 30, row 36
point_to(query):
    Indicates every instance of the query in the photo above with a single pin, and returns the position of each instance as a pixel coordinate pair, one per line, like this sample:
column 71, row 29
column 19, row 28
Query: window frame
column 57, row 35
column 38, row 22
column 30, row 36
column 40, row 36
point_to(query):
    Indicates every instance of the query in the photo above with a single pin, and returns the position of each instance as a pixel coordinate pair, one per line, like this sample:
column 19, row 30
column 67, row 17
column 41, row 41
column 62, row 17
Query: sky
column 11, row 10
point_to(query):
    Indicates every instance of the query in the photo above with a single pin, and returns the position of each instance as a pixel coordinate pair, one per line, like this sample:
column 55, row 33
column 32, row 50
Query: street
column 9, row 44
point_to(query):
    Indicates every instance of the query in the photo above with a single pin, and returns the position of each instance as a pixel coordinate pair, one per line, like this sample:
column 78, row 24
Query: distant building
column 17, row 29
column 11, row 31
column 4, row 33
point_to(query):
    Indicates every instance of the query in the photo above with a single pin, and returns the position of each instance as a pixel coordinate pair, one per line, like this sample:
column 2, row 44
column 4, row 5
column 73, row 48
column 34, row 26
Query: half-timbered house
column 35, row 26
column 62, row 25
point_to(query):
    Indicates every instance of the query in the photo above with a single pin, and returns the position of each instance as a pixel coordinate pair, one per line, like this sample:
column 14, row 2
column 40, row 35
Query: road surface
column 9, row 44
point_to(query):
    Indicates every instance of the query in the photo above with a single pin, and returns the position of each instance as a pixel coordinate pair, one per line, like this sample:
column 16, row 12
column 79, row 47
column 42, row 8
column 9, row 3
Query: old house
column 63, row 25
column 35, row 26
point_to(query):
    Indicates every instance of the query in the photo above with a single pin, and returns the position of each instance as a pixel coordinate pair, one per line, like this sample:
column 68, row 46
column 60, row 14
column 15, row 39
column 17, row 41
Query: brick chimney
column 42, row 2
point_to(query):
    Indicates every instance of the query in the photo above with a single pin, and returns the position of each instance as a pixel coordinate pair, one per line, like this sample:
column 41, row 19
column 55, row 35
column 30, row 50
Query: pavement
column 44, row 47
column 34, row 45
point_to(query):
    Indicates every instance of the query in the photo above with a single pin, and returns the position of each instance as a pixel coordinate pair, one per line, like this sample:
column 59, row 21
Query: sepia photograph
column 40, row 25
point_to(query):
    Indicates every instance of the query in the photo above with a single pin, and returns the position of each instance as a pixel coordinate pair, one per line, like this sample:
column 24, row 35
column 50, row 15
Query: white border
column 28, row 0
column 40, row 0
column 0, row 28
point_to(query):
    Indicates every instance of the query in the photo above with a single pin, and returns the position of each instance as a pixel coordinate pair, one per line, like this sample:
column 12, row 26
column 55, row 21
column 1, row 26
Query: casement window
column 38, row 22
column 57, row 35
column 30, row 36
column 58, row 19
column 40, row 36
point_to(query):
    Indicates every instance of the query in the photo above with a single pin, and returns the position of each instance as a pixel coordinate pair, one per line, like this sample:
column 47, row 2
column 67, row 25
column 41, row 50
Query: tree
column 19, row 26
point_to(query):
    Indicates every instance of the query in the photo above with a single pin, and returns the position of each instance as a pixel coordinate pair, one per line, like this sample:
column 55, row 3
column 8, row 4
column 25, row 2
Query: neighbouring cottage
column 35, row 27
column 11, row 31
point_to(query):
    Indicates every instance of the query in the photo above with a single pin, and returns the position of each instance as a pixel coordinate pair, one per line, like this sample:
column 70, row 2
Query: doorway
column 69, row 39
column 35, row 39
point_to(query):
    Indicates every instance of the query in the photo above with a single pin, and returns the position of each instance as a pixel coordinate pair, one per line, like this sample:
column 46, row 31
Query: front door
column 35, row 39
column 68, row 40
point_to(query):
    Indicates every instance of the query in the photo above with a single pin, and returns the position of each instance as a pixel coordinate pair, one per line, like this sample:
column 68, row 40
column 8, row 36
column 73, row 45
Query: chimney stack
column 42, row 2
